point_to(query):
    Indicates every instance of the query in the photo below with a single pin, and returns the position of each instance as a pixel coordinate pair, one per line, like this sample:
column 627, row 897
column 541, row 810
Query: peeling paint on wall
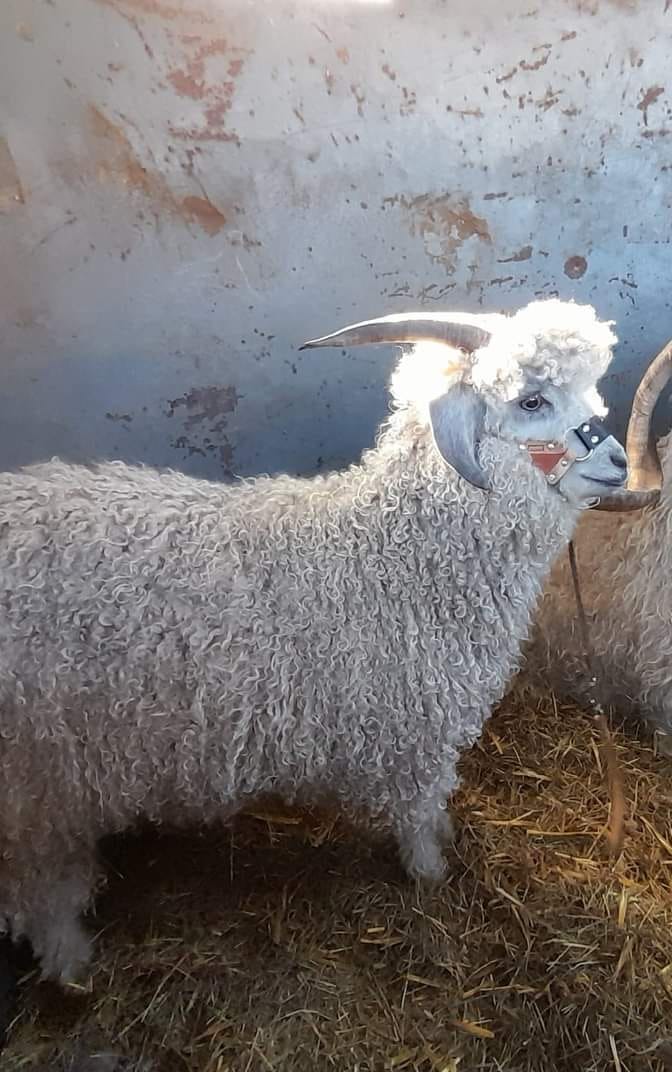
column 523, row 254
column 444, row 222
column 205, row 421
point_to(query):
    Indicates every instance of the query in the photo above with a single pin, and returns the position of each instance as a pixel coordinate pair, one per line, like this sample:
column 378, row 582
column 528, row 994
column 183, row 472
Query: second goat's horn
column 646, row 475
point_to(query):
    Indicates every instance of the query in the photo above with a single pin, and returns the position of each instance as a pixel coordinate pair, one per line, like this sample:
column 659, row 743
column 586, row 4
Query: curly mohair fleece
column 576, row 350
column 171, row 648
column 625, row 569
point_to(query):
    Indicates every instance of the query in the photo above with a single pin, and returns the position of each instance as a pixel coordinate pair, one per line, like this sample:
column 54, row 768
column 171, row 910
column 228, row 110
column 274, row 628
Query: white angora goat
column 171, row 648
column 625, row 570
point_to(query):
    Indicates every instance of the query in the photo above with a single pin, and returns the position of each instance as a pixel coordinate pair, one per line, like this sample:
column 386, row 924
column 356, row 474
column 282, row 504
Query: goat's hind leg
column 42, row 900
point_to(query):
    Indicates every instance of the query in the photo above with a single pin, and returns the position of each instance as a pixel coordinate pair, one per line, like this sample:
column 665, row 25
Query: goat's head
column 527, row 381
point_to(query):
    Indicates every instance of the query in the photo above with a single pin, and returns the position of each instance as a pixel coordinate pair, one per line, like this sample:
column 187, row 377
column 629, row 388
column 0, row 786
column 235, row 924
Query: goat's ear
column 458, row 419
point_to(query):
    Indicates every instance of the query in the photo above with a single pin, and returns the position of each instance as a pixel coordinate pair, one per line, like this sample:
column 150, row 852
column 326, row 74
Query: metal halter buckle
column 591, row 433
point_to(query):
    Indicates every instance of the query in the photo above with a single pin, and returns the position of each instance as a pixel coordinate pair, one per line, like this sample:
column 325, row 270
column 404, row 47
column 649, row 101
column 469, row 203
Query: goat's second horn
column 646, row 475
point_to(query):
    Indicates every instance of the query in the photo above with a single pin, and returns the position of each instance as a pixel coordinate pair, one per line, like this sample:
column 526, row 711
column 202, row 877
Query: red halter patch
column 545, row 455
column 555, row 460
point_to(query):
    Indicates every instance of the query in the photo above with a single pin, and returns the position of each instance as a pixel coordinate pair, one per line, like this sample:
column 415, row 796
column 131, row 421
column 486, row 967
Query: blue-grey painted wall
column 190, row 188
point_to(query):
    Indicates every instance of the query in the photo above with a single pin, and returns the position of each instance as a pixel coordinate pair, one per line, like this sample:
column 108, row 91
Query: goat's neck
column 521, row 520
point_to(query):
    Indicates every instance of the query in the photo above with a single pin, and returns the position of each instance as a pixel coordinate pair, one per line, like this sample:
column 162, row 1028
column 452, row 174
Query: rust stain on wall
column 189, row 81
column 536, row 64
column 111, row 159
column 11, row 191
column 549, row 100
column 523, row 254
column 648, row 98
column 215, row 90
column 444, row 222
column 185, row 85
column 203, row 212
column 575, row 266
column 116, row 162
column 474, row 113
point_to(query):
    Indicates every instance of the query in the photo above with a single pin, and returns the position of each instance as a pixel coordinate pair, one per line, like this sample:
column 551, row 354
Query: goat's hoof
column 663, row 743
column 427, row 867
column 66, row 956
column 431, row 874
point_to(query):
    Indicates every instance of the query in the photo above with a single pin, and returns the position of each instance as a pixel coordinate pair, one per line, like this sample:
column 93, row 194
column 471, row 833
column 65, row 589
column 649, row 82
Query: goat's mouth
column 606, row 482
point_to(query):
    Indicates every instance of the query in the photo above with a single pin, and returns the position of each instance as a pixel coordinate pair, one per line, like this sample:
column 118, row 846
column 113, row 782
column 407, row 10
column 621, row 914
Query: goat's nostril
column 619, row 461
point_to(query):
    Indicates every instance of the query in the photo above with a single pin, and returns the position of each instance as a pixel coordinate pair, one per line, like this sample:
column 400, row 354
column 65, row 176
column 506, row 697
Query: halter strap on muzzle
column 556, row 459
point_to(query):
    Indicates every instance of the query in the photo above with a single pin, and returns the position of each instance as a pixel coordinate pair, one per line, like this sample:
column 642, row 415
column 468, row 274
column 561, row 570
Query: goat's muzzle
column 556, row 459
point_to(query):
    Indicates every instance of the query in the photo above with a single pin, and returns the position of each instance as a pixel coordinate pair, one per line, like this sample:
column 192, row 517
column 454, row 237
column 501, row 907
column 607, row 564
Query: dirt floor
column 289, row 942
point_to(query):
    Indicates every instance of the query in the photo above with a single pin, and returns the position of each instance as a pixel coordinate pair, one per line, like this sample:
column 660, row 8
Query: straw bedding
column 290, row 942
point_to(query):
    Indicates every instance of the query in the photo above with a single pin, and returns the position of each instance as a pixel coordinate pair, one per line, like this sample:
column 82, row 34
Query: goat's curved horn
column 645, row 471
column 646, row 475
column 408, row 327
column 624, row 501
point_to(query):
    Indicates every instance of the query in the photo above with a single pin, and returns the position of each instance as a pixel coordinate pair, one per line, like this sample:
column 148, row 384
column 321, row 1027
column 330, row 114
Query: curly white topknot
column 560, row 342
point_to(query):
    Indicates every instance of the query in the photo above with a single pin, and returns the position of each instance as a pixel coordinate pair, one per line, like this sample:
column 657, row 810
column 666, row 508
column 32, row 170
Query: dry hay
column 288, row 942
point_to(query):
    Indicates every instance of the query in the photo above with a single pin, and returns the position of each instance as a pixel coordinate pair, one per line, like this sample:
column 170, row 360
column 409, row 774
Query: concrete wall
column 190, row 188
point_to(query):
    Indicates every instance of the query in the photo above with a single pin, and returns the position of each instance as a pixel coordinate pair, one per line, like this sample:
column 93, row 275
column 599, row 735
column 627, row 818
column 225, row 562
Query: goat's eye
column 532, row 403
